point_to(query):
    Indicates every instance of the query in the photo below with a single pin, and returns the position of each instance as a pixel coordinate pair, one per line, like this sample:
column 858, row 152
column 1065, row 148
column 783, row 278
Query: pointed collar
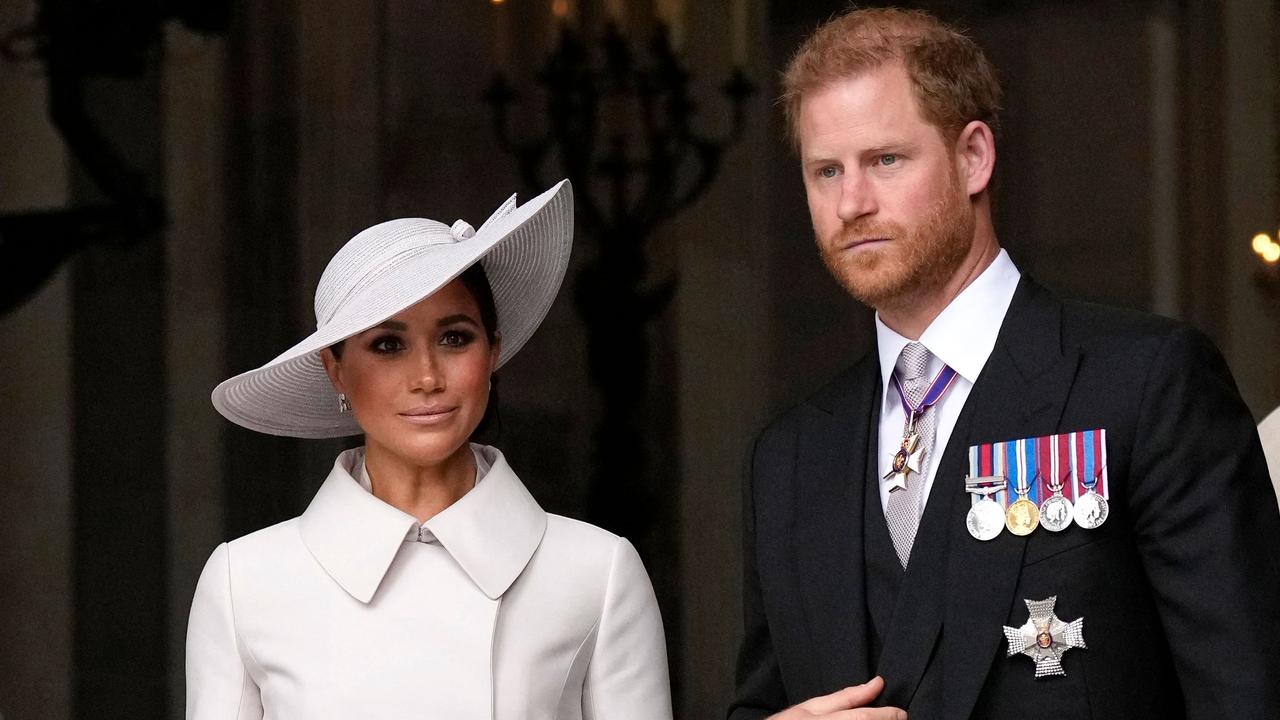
column 491, row 532
column 964, row 333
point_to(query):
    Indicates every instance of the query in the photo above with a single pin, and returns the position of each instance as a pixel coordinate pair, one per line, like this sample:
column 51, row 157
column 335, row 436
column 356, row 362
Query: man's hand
column 846, row 704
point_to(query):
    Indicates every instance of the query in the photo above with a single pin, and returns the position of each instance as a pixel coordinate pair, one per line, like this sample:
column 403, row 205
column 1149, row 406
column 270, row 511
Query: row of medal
column 1047, row 482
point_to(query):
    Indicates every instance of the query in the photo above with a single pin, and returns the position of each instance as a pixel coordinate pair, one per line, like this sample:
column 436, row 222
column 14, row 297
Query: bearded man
column 1014, row 506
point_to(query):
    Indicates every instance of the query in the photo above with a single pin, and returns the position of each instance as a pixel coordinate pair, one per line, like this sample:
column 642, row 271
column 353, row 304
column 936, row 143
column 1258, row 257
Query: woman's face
column 418, row 383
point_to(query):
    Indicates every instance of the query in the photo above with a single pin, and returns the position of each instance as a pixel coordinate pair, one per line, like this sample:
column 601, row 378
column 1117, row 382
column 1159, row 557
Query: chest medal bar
column 1050, row 482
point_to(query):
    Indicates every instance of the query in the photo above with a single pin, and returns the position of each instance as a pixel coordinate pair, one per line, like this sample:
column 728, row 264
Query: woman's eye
column 456, row 338
column 387, row 345
column 828, row 172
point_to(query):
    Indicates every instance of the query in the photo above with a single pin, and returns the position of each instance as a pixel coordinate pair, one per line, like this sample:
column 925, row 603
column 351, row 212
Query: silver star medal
column 1045, row 638
column 905, row 461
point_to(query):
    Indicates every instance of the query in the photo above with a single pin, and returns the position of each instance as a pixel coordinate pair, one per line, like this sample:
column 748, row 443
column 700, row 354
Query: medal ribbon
column 941, row 384
column 1027, row 468
column 1078, row 460
column 1009, row 449
column 1047, row 462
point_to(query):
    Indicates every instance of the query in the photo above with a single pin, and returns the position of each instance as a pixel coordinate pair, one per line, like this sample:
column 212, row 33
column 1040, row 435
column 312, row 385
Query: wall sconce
column 1267, row 249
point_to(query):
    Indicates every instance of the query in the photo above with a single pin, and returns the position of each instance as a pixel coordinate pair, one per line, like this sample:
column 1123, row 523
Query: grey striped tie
column 902, row 513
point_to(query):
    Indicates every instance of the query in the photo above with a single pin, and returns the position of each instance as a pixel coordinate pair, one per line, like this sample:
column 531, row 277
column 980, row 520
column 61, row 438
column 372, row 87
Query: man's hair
column 954, row 83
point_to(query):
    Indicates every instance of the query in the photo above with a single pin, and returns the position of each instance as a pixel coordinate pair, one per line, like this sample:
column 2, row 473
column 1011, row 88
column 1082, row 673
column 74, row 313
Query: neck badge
column 909, row 458
column 1044, row 638
column 905, row 461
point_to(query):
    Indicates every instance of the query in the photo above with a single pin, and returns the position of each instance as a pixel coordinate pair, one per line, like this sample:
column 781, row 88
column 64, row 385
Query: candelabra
column 620, row 127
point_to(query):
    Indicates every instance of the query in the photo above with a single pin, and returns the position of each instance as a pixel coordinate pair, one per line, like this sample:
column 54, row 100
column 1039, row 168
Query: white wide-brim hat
column 390, row 267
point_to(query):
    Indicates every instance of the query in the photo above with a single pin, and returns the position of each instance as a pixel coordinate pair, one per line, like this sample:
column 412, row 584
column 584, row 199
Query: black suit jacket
column 1179, row 589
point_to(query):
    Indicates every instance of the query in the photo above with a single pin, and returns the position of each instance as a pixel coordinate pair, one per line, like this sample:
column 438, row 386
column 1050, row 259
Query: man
column 870, row 548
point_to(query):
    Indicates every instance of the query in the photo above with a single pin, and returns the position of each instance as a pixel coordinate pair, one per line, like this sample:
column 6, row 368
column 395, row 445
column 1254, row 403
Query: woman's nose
column 427, row 373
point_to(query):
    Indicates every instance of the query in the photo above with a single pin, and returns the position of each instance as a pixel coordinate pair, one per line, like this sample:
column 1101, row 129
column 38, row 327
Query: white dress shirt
column 505, row 612
column 962, row 337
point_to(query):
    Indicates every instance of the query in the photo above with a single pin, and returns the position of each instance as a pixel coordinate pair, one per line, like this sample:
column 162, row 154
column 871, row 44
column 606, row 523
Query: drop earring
column 344, row 405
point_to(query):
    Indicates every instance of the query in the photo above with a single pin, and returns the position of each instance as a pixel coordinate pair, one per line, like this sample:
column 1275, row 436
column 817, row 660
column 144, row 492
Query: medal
column 1088, row 448
column 1022, row 516
column 1091, row 509
column 909, row 457
column 1055, row 511
column 1044, row 638
column 986, row 518
column 906, row 460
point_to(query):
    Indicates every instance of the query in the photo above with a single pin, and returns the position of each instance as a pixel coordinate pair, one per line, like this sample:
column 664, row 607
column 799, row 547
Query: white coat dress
column 503, row 612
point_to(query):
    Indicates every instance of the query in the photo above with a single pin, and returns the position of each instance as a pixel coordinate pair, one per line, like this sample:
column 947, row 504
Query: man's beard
column 915, row 262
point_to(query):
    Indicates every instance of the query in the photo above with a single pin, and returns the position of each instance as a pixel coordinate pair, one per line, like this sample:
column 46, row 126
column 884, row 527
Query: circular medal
column 1022, row 517
column 900, row 460
column 1055, row 513
column 1091, row 510
column 985, row 519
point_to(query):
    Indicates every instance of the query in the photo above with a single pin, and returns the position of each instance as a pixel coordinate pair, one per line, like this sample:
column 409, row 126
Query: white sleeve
column 218, row 684
column 627, row 678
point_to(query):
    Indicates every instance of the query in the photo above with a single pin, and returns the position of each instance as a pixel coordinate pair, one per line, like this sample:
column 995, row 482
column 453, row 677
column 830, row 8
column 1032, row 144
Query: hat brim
column 524, row 254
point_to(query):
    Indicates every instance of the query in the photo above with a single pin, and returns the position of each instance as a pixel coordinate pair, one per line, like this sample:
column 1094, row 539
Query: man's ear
column 332, row 368
column 975, row 152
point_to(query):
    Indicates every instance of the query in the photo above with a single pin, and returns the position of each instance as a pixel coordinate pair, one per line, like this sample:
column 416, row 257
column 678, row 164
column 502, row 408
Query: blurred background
column 175, row 174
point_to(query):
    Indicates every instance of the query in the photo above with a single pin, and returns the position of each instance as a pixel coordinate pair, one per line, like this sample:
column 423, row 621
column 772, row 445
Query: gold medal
column 1022, row 517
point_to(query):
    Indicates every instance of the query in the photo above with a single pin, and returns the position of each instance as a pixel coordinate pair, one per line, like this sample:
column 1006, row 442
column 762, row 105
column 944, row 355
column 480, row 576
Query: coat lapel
column 1021, row 393
column 952, row 579
column 830, row 475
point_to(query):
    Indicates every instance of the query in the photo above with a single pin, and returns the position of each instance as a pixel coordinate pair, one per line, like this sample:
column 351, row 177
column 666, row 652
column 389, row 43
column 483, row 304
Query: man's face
column 891, row 218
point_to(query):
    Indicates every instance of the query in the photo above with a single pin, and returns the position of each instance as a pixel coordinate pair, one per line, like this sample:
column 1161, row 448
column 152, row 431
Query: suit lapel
column 1021, row 393
column 953, row 579
column 830, row 475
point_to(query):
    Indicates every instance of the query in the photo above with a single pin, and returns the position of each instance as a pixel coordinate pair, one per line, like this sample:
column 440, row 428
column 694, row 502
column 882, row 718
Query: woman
column 423, row 580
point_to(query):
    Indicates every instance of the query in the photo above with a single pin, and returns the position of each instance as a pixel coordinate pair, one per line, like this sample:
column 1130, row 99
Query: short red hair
column 954, row 83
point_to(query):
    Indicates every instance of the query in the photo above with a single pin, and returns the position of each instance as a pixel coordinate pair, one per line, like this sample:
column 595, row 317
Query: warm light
column 560, row 8
column 1266, row 248
column 497, row 2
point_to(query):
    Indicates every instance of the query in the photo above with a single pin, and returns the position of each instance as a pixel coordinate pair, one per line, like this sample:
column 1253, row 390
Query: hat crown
column 370, row 252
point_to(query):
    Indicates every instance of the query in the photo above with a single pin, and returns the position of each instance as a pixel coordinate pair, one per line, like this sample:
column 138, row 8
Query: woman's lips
column 429, row 415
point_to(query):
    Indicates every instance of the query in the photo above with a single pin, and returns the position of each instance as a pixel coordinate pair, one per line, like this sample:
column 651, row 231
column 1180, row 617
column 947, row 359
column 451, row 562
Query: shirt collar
column 964, row 333
column 491, row 532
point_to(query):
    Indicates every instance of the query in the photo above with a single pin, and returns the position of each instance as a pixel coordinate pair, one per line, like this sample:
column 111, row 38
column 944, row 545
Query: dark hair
column 476, row 282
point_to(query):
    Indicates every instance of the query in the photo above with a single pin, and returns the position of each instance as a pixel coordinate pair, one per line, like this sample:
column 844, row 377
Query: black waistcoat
column 885, row 578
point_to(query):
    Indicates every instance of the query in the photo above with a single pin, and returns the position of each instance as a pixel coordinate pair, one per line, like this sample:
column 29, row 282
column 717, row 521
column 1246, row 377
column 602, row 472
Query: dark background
column 1137, row 160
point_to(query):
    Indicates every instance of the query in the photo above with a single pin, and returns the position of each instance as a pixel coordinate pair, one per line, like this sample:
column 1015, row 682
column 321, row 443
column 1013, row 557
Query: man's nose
column 857, row 198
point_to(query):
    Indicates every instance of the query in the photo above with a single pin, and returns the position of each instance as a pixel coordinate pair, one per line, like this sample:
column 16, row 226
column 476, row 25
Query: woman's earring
column 343, row 404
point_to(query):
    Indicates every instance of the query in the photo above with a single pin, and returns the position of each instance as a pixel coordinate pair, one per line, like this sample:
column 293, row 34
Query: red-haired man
column 1015, row 506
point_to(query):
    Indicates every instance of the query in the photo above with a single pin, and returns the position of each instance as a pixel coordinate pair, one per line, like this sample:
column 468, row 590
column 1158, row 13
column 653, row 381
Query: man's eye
column 888, row 159
column 828, row 172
